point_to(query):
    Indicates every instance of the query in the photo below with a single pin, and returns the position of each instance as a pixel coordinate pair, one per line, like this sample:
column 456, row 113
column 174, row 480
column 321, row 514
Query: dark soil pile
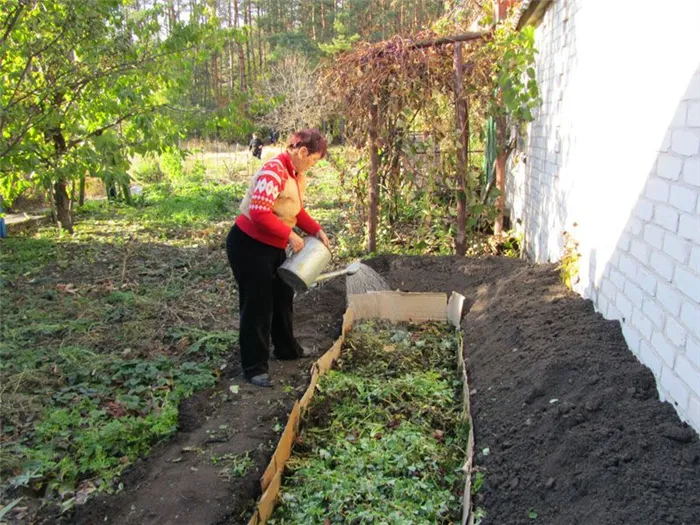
column 574, row 429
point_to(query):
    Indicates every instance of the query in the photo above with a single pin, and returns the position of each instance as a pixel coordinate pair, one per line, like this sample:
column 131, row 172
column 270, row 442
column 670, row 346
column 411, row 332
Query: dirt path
column 184, row 481
column 575, row 432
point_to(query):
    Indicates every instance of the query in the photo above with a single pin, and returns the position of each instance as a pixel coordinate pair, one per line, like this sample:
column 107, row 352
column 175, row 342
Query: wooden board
column 400, row 306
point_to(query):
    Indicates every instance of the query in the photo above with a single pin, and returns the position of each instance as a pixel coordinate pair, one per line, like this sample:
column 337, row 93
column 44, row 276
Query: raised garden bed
column 386, row 435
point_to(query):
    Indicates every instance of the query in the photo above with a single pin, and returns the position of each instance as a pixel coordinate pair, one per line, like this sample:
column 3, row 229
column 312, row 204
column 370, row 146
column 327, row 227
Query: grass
column 103, row 333
column 234, row 465
column 384, row 440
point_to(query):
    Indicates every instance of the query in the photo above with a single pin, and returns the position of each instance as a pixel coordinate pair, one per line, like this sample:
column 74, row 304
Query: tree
column 86, row 84
column 292, row 87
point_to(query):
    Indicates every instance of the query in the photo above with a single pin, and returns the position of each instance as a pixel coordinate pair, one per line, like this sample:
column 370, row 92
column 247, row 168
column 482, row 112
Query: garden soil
column 568, row 425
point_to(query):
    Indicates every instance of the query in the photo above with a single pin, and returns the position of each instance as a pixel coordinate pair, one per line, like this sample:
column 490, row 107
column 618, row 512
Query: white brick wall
column 614, row 157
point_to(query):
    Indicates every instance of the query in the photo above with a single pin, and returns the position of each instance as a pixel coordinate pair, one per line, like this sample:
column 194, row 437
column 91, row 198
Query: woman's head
column 306, row 147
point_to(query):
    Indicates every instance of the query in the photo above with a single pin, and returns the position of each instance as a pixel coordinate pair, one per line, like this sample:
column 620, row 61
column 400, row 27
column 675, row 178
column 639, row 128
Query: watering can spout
column 352, row 268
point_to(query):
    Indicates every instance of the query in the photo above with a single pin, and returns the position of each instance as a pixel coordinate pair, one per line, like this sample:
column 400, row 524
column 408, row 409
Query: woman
column 255, row 247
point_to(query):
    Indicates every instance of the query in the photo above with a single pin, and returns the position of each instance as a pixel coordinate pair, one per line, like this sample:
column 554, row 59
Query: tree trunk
column 72, row 195
column 126, row 190
column 501, row 157
column 63, row 214
column 323, row 21
column 65, row 218
column 313, row 21
column 215, row 77
column 462, row 152
column 260, row 41
column 251, row 57
column 241, row 56
column 81, row 191
column 231, row 46
column 249, row 65
column 373, row 180
column 395, row 175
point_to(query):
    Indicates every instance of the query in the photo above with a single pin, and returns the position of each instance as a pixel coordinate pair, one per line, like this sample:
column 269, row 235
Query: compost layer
column 574, row 429
column 385, row 438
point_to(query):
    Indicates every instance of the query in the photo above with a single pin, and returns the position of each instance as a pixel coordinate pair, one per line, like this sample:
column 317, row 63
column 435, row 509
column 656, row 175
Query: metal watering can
column 303, row 269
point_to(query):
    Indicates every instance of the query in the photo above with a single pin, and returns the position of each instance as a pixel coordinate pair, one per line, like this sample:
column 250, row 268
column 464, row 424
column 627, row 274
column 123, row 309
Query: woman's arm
column 306, row 223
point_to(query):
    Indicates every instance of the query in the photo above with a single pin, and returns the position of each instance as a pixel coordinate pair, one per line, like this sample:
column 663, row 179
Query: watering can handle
column 290, row 252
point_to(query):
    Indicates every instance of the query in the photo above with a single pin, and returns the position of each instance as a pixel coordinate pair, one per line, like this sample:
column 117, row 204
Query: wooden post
column 372, row 216
column 462, row 153
column 501, row 156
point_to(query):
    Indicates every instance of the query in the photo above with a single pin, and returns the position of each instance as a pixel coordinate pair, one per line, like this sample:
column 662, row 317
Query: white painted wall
column 615, row 150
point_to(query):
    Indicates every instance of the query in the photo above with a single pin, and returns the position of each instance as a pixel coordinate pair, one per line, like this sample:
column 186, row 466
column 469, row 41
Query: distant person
column 256, row 146
column 255, row 247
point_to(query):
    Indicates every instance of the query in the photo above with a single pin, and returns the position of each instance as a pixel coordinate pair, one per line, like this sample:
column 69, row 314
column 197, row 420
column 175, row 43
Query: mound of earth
column 568, row 426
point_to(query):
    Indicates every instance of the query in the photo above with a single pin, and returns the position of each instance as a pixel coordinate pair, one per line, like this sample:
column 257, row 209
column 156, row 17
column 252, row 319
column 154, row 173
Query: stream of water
column 365, row 280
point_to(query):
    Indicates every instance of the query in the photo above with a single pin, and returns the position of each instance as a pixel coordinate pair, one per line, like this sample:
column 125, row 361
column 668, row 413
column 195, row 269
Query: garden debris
column 385, row 436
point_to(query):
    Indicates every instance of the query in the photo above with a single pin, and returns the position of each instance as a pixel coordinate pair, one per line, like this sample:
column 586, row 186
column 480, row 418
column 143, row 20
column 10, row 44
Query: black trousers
column 266, row 302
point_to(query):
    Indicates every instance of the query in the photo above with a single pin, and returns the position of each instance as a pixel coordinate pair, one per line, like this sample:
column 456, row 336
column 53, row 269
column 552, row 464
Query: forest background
column 124, row 90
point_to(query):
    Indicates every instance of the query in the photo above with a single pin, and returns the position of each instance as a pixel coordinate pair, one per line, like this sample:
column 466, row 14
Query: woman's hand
column 321, row 236
column 296, row 242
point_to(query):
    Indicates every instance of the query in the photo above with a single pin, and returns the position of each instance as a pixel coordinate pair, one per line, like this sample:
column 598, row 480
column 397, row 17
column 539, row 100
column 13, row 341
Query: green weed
column 235, row 465
column 569, row 262
column 103, row 333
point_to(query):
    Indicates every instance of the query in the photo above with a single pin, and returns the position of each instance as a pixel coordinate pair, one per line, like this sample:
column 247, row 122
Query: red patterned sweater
column 273, row 204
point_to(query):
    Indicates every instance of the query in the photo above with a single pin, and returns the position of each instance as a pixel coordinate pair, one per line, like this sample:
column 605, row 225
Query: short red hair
column 311, row 139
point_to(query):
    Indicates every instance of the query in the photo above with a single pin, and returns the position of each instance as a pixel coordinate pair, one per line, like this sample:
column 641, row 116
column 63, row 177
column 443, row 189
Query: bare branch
column 464, row 37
